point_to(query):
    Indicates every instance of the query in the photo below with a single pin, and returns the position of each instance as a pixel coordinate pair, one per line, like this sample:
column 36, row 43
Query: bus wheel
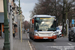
column 35, row 40
column 52, row 40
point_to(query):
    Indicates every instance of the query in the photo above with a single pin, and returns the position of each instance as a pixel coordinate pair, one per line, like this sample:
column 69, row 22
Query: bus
column 43, row 27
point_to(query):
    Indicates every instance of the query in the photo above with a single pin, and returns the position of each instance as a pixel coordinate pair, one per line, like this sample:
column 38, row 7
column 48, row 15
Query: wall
column 1, row 6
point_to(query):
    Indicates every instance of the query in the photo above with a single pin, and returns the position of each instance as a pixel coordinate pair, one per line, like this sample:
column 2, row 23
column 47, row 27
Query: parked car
column 59, row 32
column 71, row 34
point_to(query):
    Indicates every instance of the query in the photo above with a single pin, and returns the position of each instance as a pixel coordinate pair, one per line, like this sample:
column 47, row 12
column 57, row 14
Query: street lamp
column 19, row 22
column 6, row 32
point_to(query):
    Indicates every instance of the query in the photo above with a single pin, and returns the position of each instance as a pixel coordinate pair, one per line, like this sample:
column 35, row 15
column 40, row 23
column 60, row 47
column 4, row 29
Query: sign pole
column 73, row 22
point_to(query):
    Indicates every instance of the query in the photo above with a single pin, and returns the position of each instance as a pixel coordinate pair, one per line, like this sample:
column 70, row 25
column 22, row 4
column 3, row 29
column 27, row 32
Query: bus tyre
column 52, row 40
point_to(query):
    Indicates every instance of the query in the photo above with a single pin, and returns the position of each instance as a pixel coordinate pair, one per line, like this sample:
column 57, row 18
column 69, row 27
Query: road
column 59, row 44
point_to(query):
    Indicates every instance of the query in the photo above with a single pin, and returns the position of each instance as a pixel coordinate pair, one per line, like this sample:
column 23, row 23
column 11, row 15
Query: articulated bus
column 43, row 27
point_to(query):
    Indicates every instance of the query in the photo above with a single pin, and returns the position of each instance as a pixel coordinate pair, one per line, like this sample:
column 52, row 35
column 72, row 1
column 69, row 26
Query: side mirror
column 32, row 21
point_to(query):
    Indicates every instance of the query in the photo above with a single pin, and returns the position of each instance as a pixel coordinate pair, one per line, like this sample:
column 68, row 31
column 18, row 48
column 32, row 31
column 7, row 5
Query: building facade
column 15, row 15
column 1, row 18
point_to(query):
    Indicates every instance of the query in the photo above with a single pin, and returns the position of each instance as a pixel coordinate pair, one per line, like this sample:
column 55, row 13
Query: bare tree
column 54, row 7
column 26, row 25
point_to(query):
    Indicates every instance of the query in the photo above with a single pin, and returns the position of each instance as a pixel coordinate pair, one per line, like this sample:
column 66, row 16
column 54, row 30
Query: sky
column 26, row 7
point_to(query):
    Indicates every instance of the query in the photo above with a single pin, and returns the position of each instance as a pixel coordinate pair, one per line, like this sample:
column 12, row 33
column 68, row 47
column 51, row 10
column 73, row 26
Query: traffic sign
column 72, row 21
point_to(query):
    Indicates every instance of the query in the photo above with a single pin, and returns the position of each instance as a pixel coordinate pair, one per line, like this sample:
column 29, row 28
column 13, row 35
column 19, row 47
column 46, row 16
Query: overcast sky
column 27, row 6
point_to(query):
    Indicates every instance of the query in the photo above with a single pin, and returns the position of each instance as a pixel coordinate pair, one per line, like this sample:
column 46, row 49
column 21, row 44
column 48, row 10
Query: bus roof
column 42, row 16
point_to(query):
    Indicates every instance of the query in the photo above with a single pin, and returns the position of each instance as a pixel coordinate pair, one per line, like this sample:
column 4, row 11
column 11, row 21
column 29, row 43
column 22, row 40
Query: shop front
column 1, row 24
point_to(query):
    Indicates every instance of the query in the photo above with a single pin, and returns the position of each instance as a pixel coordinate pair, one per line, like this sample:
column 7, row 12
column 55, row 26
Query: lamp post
column 18, row 19
column 6, row 32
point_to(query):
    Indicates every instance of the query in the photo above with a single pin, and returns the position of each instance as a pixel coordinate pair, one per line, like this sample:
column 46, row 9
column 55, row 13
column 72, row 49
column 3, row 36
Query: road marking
column 29, row 42
column 30, row 45
column 54, row 43
column 62, row 47
column 69, row 44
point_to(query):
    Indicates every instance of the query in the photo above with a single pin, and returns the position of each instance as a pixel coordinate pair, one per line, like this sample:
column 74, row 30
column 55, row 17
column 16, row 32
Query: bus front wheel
column 52, row 40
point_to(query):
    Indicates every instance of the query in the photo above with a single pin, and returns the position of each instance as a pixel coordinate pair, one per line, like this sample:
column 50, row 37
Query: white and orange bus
column 43, row 27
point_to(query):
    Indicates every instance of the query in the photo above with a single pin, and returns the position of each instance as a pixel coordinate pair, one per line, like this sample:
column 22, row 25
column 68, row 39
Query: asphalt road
column 59, row 44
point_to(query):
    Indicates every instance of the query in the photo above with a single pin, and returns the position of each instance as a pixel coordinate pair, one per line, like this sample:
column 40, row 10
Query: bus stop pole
column 21, row 26
column 11, row 33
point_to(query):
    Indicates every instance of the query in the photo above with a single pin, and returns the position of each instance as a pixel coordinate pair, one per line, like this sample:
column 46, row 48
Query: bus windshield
column 45, row 24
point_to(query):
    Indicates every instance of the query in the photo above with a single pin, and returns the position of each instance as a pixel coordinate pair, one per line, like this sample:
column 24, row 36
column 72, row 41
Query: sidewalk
column 1, row 43
column 17, row 44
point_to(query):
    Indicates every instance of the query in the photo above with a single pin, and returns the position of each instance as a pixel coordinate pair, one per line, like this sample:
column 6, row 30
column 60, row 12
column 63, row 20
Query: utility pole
column 66, row 19
column 19, row 22
column 56, row 11
column 63, row 18
column 6, row 32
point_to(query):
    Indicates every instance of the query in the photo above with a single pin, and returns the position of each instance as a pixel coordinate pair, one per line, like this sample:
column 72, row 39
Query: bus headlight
column 36, row 34
column 54, row 34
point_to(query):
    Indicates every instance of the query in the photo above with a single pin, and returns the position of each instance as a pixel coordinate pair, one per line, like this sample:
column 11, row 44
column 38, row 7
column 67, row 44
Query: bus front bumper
column 52, row 37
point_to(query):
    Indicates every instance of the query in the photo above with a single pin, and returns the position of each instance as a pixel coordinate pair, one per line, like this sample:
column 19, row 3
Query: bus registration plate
column 45, row 38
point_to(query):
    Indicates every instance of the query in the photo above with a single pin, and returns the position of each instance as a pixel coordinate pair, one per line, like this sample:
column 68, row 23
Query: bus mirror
column 32, row 21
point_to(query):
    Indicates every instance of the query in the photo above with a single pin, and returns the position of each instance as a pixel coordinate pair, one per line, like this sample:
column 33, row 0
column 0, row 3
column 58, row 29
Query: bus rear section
column 43, row 27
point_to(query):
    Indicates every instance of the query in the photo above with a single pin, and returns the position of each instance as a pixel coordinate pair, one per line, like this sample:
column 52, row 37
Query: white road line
column 70, row 44
column 29, row 42
column 62, row 47
column 30, row 45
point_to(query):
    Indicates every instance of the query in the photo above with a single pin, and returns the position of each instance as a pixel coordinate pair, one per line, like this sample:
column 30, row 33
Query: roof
column 1, row 17
column 42, row 16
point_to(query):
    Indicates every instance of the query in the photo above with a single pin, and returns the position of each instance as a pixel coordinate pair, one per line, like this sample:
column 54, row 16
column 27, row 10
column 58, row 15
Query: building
column 1, row 18
column 15, row 15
